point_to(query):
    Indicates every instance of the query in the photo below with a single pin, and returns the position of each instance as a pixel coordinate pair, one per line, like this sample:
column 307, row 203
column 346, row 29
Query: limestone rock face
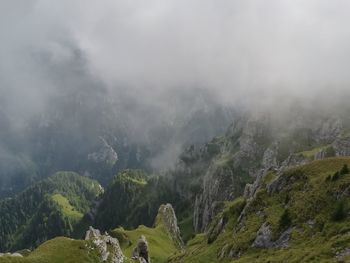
column 220, row 184
column 167, row 216
column 223, row 179
column 107, row 246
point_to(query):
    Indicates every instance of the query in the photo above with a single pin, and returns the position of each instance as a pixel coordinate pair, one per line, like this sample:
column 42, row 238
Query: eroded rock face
column 167, row 216
column 223, row 180
column 107, row 246
column 220, row 184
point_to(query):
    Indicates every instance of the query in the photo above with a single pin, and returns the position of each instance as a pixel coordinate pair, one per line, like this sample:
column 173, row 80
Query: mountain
column 50, row 208
column 250, row 194
column 297, row 215
column 218, row 171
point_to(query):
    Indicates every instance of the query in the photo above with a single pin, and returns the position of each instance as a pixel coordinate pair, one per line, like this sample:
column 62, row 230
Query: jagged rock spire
column 167, row 217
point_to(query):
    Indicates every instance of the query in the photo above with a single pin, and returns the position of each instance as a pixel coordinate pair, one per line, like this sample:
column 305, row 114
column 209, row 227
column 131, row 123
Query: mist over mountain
column 235, row 112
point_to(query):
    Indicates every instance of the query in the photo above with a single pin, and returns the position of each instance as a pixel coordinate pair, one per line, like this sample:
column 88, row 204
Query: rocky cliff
column 234, row 164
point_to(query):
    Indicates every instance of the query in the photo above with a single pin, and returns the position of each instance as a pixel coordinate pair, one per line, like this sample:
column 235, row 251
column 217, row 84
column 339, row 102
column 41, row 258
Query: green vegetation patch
column 58, row 250
column 66, row 208
column 161, row 245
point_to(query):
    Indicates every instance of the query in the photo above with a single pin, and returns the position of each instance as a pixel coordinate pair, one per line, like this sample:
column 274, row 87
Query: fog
column 159, row 63
column 241, row 50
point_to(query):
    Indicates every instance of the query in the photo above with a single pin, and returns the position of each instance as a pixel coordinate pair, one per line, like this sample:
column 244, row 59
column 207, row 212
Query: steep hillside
column 133, row 199
column 218, row 171
column 49, row 208
column 299, row 215
column 163, row 239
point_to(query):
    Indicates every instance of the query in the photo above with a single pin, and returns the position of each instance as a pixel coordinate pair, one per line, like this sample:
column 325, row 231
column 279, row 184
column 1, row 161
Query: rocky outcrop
column 285, row 181
column 107, row 246
column 167, row 218
column 341, row 146
column 140, row 252
column 327, row 130
column 250, row 189
column 240, row 157
column 270, row 157
column 293, row 160
column 339, row 255
column 106, row 154
column 263, row 238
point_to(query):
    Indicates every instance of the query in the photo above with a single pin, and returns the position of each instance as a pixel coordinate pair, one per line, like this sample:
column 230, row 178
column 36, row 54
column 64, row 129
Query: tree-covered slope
column 299, row 215
column 133, row 199
column 47, row 209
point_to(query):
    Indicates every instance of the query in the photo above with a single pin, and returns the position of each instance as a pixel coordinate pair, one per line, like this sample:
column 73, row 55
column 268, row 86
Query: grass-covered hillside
column 301, row 215
column 161, row 245
column 58, row 250
column 49, row 208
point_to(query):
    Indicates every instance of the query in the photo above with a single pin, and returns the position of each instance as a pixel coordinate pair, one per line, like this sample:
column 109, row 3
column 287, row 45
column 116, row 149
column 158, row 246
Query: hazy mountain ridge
column 210, row 177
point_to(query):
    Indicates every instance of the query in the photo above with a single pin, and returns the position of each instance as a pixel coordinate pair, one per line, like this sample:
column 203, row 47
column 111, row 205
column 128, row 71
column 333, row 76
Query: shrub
column 340, row 212
column 285, row 220
column 336, row 176
column 344, row 170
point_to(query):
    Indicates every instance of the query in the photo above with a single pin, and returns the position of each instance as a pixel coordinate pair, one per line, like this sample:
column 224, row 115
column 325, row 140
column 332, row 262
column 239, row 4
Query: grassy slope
column 58, row 250
column 160, row 244
column 310, row 197
column 66, row 208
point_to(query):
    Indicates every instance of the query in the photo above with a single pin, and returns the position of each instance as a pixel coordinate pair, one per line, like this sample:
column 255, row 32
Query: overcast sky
column 243, row 50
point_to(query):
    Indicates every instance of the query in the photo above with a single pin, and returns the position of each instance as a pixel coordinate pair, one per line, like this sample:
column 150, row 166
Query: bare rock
column 140, row 252
column 263, row 238
column 167, row 216
column 107, row 246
